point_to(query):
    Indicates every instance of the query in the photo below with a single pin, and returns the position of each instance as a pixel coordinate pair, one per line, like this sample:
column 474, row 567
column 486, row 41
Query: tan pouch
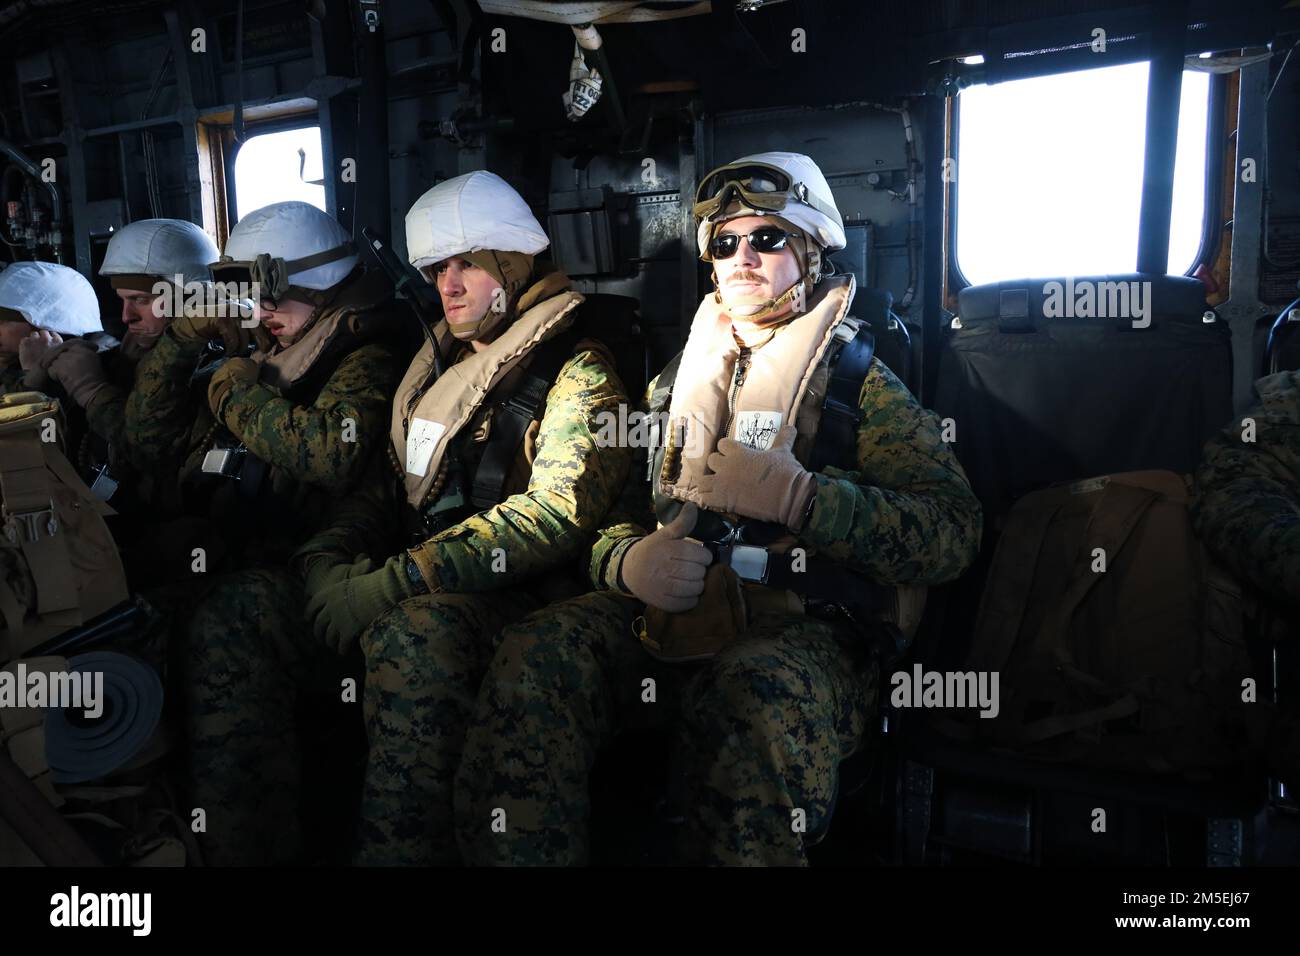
column 701, row 632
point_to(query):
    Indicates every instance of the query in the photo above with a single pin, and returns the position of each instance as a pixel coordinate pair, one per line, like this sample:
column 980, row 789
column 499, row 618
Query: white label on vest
column 758, row 429
column 421, row 442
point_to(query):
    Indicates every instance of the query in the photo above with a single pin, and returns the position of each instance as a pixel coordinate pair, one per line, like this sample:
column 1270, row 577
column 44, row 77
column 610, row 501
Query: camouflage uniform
column 299, row 435
column 248, row 659
column 762, row 727
column 106, row 417
column 245, row 653
column 11, row 375
column 1248, row 509
column 426, row 657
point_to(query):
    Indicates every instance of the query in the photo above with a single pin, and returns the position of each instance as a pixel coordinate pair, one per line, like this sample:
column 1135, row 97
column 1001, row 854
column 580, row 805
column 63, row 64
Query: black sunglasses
column 766, row 239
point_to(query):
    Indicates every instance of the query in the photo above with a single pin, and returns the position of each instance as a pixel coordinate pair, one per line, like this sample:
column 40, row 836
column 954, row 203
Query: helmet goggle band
column 757, row 185
column 271, row 274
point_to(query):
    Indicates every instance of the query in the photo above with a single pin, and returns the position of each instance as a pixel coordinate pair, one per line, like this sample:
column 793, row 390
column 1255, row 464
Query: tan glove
column 204, row 327
column 33, row 352
column 663, row 569
column 224, row 378
column 76, row 366
column 766, row 485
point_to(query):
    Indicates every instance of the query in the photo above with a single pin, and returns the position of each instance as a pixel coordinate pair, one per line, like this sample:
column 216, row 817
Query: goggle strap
column 341, row 251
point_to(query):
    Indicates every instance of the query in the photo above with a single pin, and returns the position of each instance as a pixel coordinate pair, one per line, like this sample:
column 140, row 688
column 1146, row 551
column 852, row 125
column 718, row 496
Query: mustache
column 746, row 276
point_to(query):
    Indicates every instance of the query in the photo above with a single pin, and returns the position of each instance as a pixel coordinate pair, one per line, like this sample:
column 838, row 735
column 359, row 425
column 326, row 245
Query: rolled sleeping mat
column 80, row 748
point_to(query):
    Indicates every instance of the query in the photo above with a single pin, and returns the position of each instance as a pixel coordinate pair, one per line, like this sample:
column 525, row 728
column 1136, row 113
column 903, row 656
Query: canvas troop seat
column 1049, row 380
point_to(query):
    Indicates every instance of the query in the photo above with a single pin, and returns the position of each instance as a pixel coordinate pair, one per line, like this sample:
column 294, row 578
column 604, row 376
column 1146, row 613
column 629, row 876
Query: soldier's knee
column 430, row 628
column 742, row 690
column 551, row 653
column 235, row 611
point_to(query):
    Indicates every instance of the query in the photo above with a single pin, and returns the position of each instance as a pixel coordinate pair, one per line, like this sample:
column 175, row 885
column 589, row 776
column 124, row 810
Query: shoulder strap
column 836, row 440
column 663, row 391
column 513, row 416
column 660, row 398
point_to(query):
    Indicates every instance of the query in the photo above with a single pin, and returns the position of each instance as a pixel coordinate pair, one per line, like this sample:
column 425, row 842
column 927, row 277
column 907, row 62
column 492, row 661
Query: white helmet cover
column 826, row 231
column 479, row 210
column 51, row 297
column 160, row 247
column 289, row 231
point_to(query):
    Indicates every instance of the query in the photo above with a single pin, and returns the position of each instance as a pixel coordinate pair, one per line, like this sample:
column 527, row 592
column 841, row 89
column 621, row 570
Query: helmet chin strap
column 512, row 270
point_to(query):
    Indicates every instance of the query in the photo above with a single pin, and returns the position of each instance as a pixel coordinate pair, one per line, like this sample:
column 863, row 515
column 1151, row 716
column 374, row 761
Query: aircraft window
column 279, row 167
column 1049, row 174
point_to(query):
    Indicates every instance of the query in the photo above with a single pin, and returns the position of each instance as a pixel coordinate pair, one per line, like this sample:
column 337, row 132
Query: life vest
column 430, row 416
column 810, row 373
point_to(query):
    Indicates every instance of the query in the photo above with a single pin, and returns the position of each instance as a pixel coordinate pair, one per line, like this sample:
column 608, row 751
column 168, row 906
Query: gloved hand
column 224, row 378
column 766, row 485
column 325, row 570
column 341, row 611
column 663, row 569
column 135, row 346
column 32, row 356
column 75, row 365
column 204, row 327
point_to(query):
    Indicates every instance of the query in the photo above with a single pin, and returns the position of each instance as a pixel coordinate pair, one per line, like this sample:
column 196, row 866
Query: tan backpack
column 59, row 566
column 1118, row 641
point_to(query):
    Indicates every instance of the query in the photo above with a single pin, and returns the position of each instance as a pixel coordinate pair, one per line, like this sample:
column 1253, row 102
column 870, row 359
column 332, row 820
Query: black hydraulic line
column 370, row 206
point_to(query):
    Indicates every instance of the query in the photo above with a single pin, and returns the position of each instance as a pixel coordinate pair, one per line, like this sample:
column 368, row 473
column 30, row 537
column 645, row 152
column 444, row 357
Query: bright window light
column 1049, row 174
column 280, row 167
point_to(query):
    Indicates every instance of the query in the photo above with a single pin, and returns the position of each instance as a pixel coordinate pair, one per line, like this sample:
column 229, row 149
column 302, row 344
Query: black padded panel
column 1017, row 304
column 893, row 342
column 616, row 321
column 1076, row 398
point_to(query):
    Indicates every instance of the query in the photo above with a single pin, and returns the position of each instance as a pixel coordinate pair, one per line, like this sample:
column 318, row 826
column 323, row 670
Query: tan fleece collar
column 284, row 366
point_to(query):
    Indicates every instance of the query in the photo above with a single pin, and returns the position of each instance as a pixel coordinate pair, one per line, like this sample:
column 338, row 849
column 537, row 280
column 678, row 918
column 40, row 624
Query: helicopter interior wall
column 111, row 67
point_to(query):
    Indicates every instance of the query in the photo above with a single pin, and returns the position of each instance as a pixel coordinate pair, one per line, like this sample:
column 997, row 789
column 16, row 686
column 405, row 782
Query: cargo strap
column 30, row 522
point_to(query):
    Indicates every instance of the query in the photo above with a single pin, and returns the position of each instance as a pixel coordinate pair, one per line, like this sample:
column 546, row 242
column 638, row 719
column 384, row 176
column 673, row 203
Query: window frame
column 251, row 131
column 1212, row 207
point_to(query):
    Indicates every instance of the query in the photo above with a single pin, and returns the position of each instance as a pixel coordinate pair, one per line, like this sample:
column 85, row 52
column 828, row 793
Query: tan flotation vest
column 426, row 421
column 282, row 368
column 59, row 565
column 785, row 382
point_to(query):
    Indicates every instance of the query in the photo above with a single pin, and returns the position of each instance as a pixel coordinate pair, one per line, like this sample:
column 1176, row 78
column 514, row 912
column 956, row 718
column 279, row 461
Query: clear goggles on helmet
column 271, row 273
column 759, row 186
